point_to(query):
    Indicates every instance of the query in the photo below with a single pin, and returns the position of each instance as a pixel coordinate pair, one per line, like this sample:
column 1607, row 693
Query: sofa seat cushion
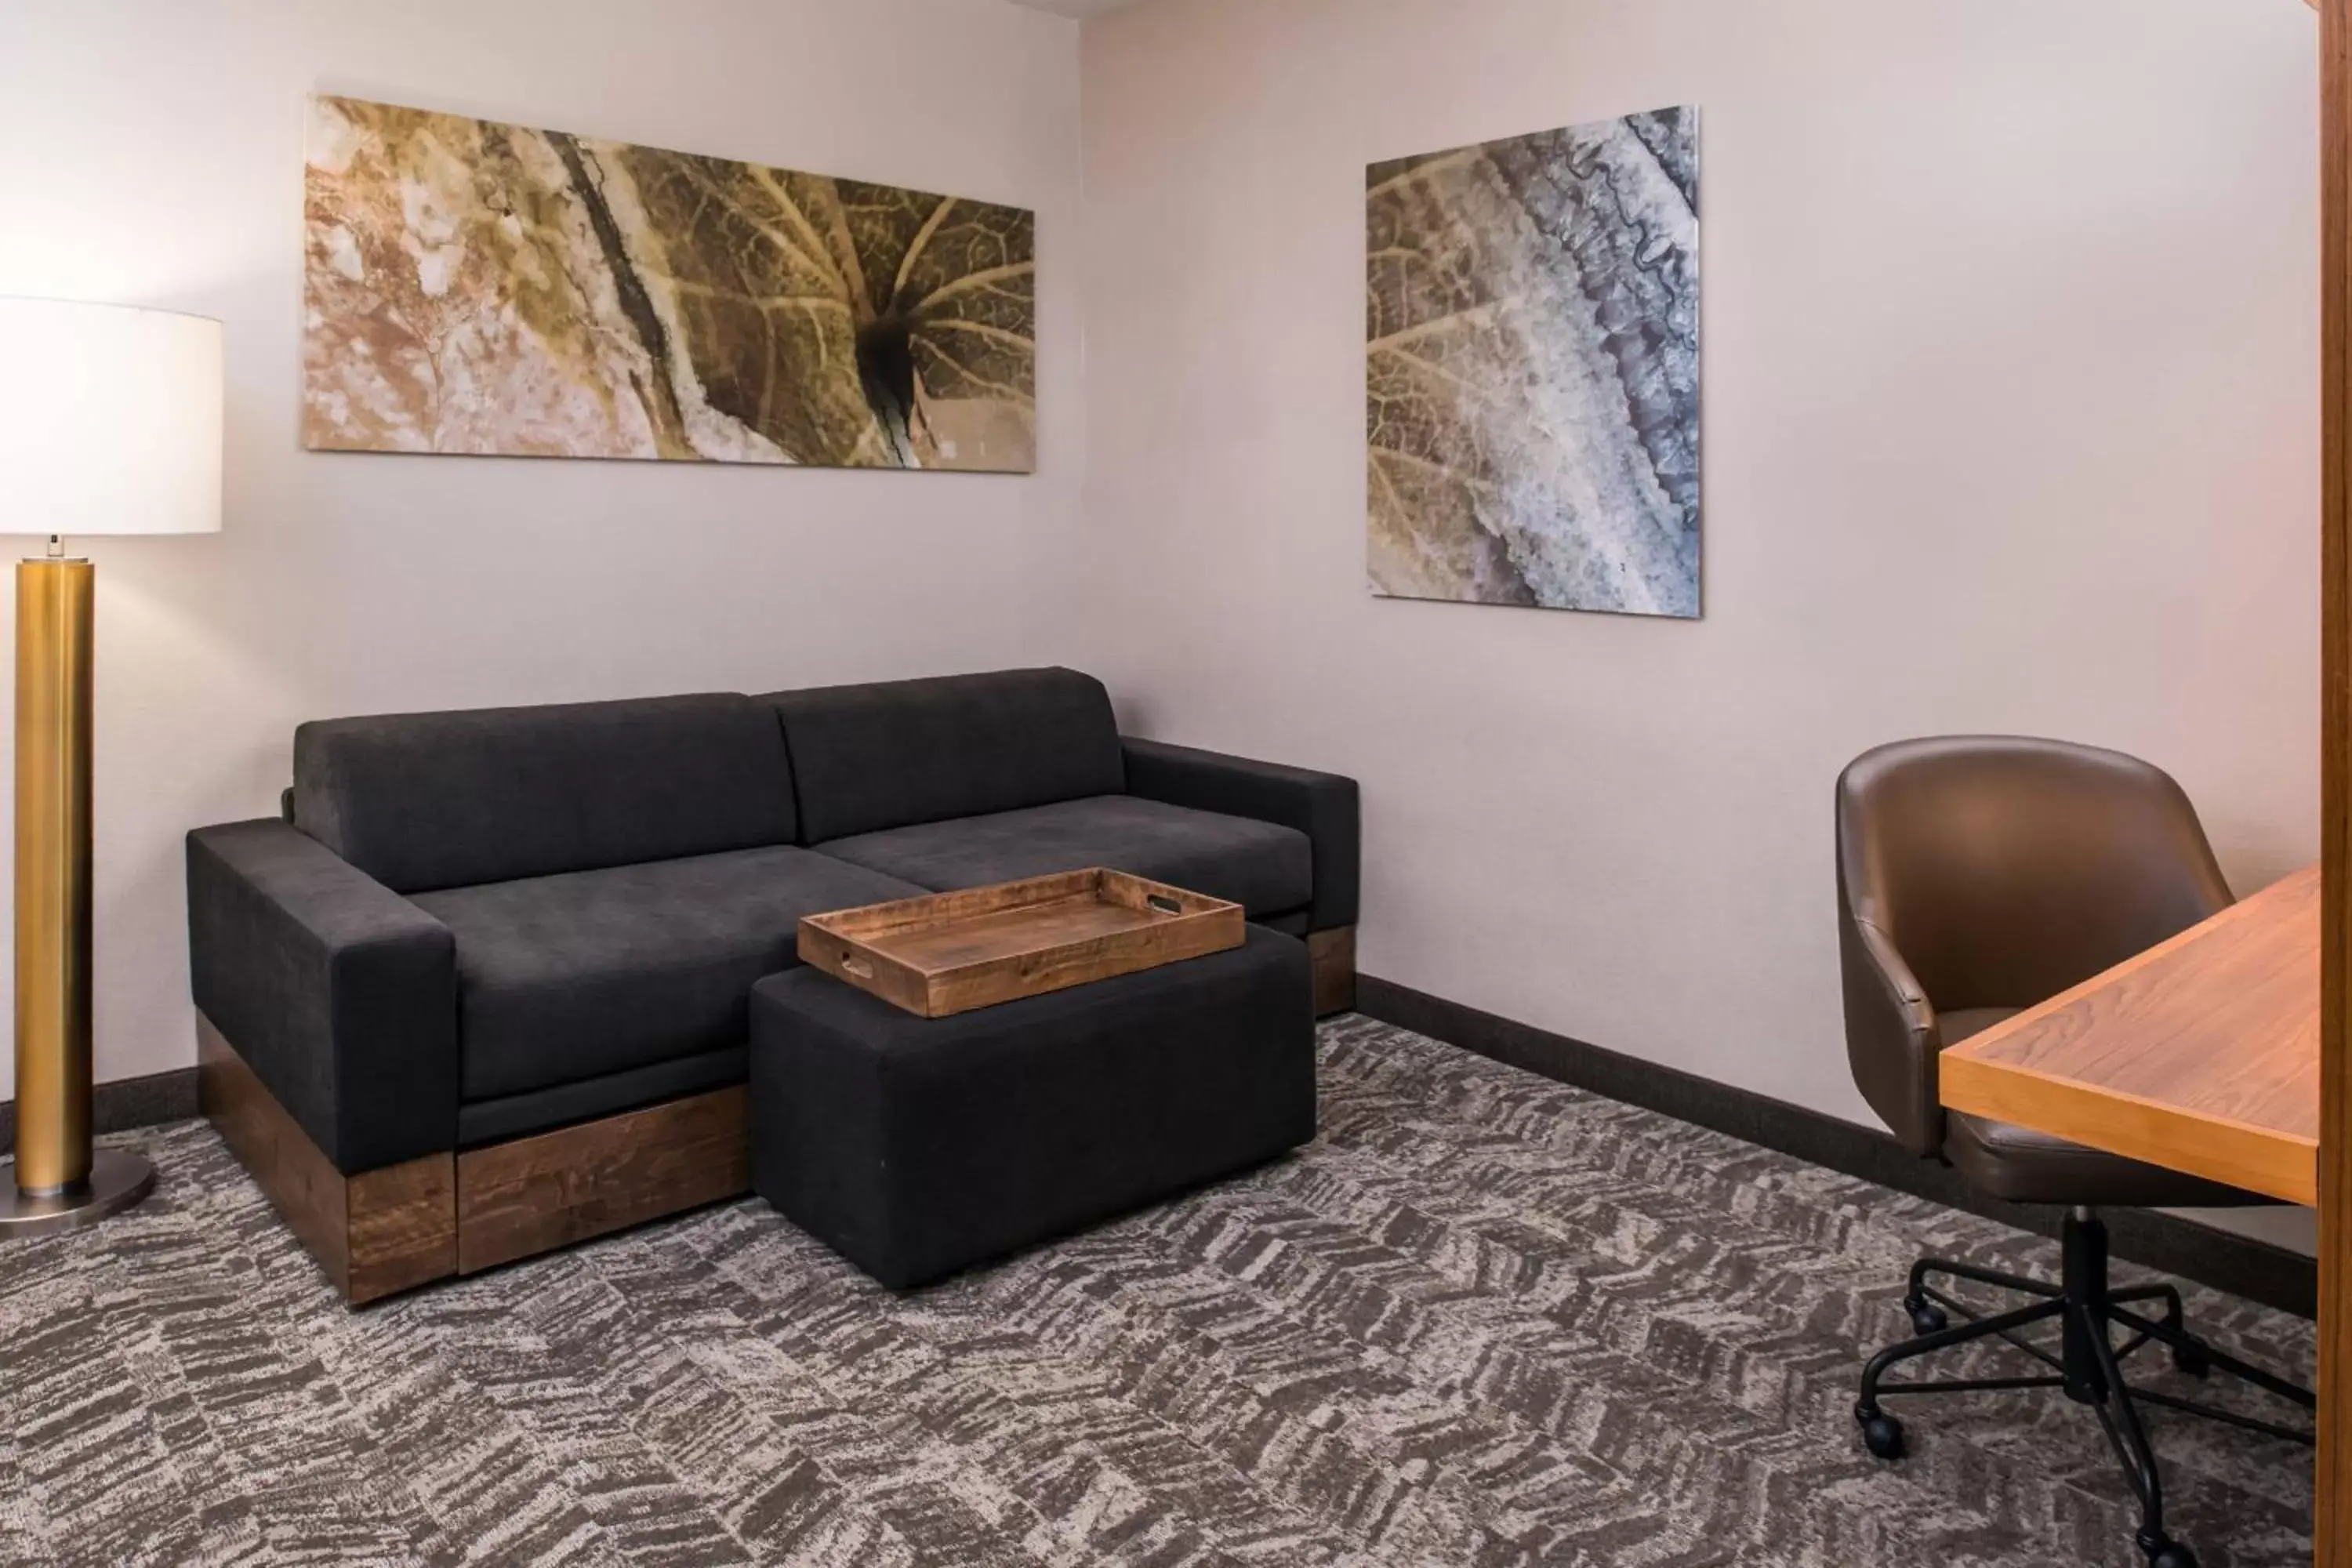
column 584, row 973
column 1266, row 869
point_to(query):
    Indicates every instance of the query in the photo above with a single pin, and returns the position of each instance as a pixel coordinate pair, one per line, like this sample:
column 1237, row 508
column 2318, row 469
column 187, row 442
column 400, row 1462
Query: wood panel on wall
column 2332, row 1520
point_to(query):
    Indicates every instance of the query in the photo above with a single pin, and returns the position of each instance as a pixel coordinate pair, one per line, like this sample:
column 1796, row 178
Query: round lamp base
column 117, row 1180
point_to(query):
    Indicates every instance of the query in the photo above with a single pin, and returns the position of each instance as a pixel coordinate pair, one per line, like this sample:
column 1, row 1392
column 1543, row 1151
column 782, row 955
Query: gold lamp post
column 109, row 423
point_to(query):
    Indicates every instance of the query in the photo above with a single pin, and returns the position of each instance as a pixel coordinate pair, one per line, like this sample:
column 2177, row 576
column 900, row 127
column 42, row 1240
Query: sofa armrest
column 341, row 995
column 1321, row 806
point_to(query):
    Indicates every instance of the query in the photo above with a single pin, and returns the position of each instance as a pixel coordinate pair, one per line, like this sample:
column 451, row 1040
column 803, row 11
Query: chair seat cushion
column 2028, row 1167
column 577, row 976
column 1266, row 869
column 1959, row 1023
column 2024, row 1166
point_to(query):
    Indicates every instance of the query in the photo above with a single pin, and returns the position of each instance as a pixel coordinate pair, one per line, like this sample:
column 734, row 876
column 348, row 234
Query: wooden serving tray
column 950, row 952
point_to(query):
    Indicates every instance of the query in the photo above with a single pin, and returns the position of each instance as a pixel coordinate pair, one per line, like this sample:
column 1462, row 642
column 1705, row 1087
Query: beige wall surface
column 151, row 152
column 2010, row 413
column 2011, row 417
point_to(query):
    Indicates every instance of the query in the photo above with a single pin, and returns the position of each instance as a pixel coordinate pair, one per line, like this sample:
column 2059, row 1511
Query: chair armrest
column 1893, row 1037
column 341, row 995
column 1321, row 806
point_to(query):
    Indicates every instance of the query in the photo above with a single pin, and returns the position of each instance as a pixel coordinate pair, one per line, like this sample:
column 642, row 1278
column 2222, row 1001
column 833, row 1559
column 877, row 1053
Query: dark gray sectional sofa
column 485, row 987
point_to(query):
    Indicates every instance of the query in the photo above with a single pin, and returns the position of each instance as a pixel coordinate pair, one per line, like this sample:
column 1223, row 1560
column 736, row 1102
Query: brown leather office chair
column 1978, row 875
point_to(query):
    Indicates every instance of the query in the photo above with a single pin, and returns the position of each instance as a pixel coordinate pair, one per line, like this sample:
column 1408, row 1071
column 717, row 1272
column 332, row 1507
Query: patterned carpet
column 1483, row 1320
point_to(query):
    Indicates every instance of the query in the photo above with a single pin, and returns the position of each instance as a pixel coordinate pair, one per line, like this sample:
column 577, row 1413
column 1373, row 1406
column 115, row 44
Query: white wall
column 2011, row 417
column 2011, row 423
column 151, row 152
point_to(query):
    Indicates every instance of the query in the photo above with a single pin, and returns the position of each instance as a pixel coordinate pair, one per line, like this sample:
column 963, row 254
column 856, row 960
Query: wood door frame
column 2332, row 1474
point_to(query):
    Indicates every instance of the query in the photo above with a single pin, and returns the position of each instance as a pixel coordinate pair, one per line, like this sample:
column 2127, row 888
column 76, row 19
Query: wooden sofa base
column 389, row 1230
column 534, row 1194
column 375, row 1233
column 1333, row 955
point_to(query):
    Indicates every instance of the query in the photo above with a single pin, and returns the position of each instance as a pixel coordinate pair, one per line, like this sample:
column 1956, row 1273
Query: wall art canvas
column 1532, row 369
column 473, row 287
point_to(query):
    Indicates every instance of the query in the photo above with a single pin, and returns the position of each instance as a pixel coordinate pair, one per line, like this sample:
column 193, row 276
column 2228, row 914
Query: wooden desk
column 2200, row 1055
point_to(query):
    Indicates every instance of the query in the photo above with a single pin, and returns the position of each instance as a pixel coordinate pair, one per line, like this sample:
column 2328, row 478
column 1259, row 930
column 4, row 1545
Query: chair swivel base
column 117, row 1181
column 2088, row 1367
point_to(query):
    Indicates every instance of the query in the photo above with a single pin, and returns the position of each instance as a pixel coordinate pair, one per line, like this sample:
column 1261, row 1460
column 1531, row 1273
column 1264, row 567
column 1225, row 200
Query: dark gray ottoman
column 915, row 1147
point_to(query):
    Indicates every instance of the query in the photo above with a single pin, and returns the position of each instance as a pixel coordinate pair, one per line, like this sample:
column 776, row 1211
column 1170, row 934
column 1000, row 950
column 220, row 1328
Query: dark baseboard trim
column 2258, row 1270
column 124, row 1103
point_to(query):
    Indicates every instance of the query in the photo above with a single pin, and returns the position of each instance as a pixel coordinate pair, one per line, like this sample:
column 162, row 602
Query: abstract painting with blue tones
column 1532, row 369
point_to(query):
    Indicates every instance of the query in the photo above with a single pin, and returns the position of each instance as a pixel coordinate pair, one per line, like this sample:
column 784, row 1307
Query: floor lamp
column 109, row 423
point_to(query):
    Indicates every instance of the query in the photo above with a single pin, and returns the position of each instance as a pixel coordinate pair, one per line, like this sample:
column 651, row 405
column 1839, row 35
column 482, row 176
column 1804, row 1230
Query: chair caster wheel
column 1882, row 1434
column 1926, row 1318
column 2172, row 1554
column 2192, row 1360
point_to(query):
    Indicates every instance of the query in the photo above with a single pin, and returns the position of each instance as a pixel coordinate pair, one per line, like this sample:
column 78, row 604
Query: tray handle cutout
column 1163, row 903
column 857, row 965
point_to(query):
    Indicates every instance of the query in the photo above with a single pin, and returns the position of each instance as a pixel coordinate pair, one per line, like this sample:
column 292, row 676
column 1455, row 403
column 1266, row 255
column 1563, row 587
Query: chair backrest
column 902, row 752
column 1998, row 871
column 421, row 801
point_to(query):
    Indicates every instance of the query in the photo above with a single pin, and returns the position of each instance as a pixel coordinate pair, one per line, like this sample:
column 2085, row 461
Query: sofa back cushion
column 902, row 752
column 421, row 801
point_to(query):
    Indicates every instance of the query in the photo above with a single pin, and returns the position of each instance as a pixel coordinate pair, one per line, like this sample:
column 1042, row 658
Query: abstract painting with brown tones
column 1532, row 369
column 473, row 287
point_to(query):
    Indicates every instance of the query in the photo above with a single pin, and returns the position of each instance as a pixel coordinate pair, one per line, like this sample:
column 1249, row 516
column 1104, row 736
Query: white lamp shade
column 109, row 419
